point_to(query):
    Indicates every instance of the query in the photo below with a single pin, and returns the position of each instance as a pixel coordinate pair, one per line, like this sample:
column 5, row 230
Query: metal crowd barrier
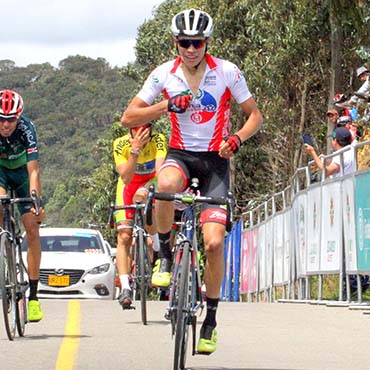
column 308, row 229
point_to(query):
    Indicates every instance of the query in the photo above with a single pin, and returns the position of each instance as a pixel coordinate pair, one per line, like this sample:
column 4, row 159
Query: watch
column 135, row 151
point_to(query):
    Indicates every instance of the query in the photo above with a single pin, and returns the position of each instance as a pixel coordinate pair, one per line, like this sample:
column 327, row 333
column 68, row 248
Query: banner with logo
column 300, row 232
column 331, row 226
column 278, row 248
column 253, row 272
column 245, row 261
column 313, row 229
column 237, row 233
column 288, row 246
column 269, row 235
column 362, row 200
column 262, row 257
column 349, row 225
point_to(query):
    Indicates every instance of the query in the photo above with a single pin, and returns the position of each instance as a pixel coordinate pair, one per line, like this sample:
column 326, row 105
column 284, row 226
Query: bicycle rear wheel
column 8, row 285
column 142, row 276
column 181, row 328
column 21, row 293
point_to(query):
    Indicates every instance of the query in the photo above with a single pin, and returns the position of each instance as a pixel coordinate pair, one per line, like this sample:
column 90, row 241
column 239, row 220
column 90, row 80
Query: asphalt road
column 98, row 335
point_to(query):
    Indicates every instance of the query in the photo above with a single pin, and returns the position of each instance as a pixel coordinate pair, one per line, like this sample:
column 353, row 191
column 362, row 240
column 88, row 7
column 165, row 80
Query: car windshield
column 75, row 243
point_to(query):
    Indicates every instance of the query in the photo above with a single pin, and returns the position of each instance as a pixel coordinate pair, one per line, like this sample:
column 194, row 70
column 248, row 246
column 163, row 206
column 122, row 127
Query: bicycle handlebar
column 34, row 199
column 113, row 207
column 189, row 198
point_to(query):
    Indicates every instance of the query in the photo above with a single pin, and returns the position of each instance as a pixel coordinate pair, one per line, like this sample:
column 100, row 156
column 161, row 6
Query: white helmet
column 192, row 22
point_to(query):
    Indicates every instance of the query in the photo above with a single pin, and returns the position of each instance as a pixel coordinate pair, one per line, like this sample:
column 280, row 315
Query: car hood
column 71, row 260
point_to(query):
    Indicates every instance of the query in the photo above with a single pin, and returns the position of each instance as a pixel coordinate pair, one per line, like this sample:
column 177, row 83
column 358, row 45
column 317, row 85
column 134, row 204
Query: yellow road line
column 69, row 348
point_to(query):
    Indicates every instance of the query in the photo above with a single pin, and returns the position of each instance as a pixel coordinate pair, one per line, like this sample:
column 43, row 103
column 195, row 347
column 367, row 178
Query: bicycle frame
column 12, row 269
column 187, row 234
column 185, row 292
column 142, row 267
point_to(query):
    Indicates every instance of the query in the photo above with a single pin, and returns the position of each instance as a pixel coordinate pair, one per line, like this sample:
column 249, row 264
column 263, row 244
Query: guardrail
column 306, row 230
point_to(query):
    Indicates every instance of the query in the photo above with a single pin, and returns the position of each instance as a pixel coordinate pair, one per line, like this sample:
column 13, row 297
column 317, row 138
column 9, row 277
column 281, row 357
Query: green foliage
column 284, row 49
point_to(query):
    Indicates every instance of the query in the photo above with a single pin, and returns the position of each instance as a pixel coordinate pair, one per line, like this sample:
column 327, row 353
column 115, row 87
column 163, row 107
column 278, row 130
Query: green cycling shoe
column 35, row 313
column 207, row 341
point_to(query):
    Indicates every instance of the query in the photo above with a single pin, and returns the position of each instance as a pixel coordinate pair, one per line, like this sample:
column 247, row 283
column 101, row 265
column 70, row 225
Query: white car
column 75, row 263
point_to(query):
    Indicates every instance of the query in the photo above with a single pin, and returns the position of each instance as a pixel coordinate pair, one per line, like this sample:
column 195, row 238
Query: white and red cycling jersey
column 207, row 120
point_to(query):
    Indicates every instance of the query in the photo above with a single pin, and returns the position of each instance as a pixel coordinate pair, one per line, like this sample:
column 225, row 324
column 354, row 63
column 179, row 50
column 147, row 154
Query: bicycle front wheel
column 142, row 277
column 181, row 328
column 8, row 285
column 22, row 286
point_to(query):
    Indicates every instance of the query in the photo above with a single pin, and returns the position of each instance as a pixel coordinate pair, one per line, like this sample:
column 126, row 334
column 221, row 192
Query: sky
column 40, row 31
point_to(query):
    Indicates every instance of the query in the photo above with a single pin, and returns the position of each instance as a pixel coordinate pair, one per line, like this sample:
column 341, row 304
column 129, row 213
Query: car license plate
column 58, row 280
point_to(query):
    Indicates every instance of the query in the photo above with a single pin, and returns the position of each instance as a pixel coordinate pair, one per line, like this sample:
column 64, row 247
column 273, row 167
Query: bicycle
column 13, row 272
column 185, row 292
column 142, row 271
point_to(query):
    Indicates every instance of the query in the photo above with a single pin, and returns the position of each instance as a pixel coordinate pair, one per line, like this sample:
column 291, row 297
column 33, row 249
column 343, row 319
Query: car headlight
column 100, row 269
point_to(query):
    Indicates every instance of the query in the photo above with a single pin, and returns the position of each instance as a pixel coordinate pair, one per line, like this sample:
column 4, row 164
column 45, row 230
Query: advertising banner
column 349, row 225
column 313, row 229
column 288, row 271
column 278, row 248
column 262, row 257
column 331, row 226
column 253, row 269
column 362, row 201
column 269, row 235
column 300, row 228
column 245, row 260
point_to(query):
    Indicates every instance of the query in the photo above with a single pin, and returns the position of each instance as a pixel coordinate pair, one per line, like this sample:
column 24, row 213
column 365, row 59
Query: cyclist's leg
column 19, row 181
column 213, row 220
column 141, row 196
column 171, row 178
column 124, row 221
column 213, row 235
column 35, row 313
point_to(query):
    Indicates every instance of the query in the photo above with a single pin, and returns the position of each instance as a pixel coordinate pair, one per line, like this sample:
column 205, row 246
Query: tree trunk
column 336, row 81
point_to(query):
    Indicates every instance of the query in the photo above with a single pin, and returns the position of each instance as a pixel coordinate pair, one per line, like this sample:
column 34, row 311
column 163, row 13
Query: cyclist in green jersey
column 20, row 171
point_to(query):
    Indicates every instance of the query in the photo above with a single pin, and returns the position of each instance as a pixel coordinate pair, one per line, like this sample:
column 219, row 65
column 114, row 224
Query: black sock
column 164, row 242
column 210, row 319
column 33, row 290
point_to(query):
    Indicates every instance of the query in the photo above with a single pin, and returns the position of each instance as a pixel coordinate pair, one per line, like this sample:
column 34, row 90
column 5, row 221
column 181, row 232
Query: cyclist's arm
column 126, row 170
column 33, row 169
column 138, row 112
column 253, row 122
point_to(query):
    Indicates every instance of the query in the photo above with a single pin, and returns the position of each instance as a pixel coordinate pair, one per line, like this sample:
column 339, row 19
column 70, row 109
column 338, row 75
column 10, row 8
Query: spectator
column 346, row 121
column 341, row 138
column 363, row 75
column 333, row 115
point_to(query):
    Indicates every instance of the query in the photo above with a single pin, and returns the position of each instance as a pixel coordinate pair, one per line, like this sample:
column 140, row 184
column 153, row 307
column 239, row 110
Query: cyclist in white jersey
column 198, row 90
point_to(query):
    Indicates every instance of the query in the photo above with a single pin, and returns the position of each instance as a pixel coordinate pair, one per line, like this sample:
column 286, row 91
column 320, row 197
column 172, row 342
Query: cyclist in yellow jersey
column 138, row 157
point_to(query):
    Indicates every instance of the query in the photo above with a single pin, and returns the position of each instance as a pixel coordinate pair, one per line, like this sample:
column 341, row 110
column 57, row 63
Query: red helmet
column 11, row 104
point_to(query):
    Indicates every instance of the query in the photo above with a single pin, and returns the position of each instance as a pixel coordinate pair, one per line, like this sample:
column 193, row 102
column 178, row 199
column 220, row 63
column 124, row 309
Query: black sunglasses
column 11, row 120
column 185, row 43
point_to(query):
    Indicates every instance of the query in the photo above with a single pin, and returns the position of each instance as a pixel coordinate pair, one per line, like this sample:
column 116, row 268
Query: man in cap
column 341, row 137
column 363, row 74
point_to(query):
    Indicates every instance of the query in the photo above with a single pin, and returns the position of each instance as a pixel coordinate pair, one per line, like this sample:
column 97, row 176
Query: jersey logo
column 204, row 106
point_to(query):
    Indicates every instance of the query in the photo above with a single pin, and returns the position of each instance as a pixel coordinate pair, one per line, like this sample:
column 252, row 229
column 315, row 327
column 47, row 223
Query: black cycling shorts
column 212, row 172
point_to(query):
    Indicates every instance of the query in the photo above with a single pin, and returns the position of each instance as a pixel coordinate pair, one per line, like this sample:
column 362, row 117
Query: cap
column 341, row 133
column 361, row 70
